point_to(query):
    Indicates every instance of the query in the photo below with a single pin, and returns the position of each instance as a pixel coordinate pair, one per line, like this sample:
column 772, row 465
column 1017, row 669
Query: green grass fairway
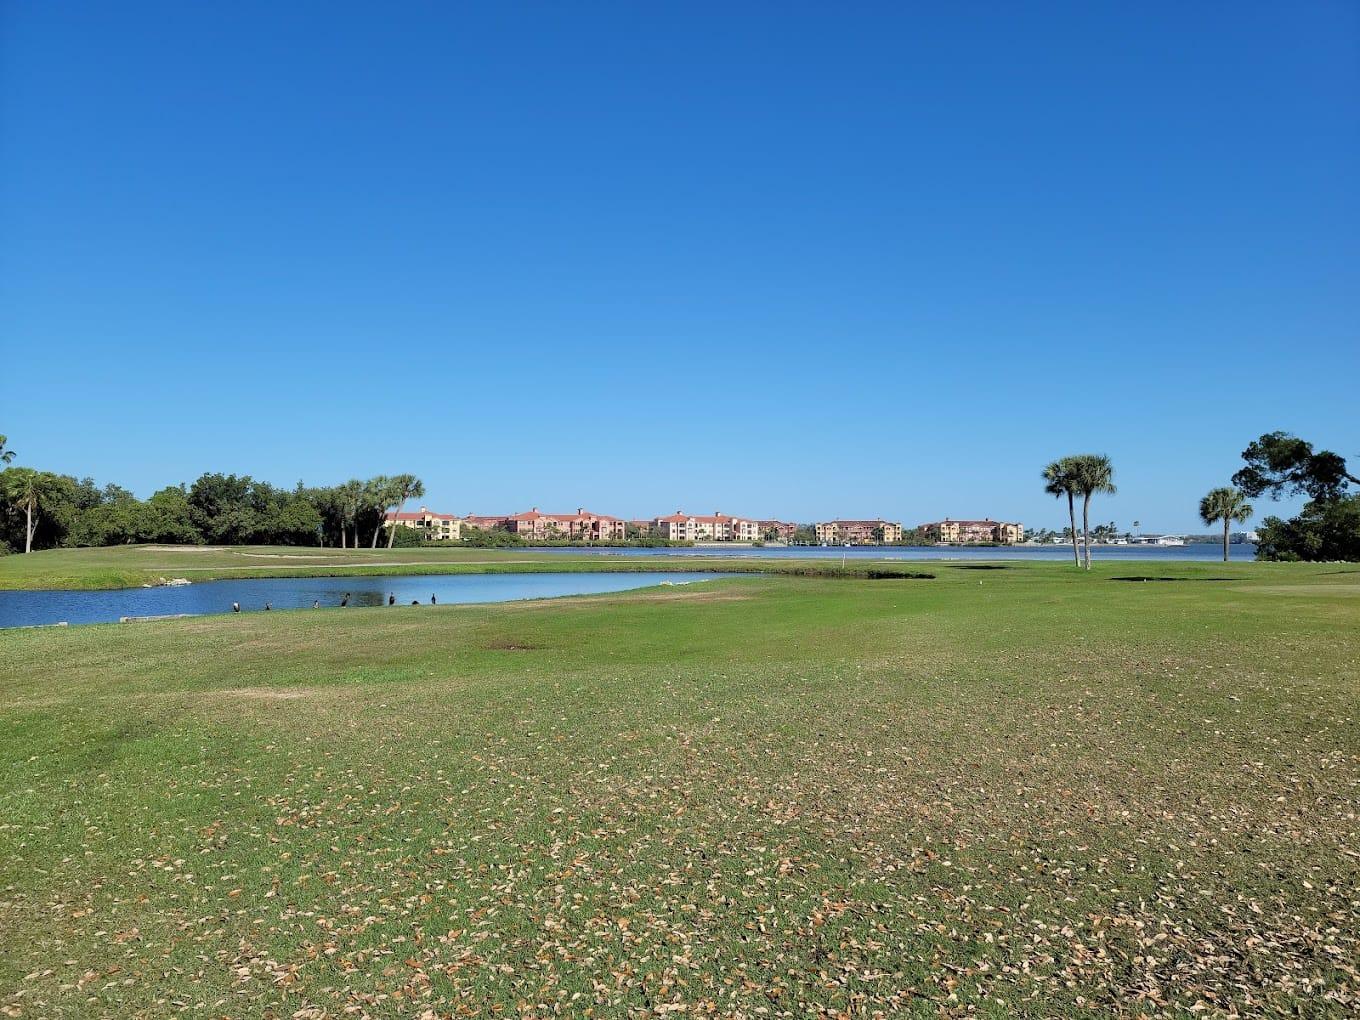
column 1010, row 791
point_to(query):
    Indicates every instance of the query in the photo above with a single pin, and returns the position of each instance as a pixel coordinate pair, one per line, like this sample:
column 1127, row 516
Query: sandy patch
column 263, row 693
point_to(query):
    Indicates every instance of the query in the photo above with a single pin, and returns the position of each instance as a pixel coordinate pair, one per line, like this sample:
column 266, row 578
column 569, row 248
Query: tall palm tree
column 1058, row 481
column 28, row 488
column 1227, row 505
column 1092, row 473
column 6, row 456
column 379, row 495
column 404, row 487
column 350, row 500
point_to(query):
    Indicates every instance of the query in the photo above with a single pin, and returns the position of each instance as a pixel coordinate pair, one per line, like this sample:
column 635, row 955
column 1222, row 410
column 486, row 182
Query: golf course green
column 1010, row 789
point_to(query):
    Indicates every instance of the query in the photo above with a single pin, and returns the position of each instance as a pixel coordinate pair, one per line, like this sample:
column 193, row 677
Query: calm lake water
column 1208, row 553
column 30, row 608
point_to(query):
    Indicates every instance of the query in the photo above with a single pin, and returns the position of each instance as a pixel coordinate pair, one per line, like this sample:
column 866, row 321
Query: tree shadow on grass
column 1140, row 577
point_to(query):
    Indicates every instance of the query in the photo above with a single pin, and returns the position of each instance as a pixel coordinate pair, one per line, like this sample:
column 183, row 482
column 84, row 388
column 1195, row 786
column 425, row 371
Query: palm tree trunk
column 1226, row 521
column 1072, row 519
column 392, row 531
column 378, row 531
column 28, row 527
column 1086, row 527
column 343, row 537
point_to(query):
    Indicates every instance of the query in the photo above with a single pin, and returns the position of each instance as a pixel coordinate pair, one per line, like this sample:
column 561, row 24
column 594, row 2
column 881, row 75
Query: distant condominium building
column 985, row 530
column 876, row 532
column 715, row 527
column 434, row 526
column 779, row 531
column 486, row 522
column 582, row 526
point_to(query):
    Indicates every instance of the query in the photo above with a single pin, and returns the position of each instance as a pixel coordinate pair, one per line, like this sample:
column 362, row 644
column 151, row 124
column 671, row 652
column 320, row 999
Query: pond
column 35, row 608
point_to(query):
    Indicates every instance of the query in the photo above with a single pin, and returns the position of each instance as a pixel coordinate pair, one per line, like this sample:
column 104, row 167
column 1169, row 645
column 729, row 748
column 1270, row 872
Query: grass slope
column 1017, row 791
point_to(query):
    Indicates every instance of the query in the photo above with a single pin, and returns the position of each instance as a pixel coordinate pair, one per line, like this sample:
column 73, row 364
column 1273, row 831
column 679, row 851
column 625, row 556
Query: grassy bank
column 1019, row 791
column 136, row 565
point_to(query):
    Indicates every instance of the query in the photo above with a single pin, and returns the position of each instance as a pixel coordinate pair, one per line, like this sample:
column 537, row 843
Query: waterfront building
column 583, row 525
column 486, row 522
column 781, row 531
column 434, row 526
column 872, row 532
column 986, row 530
column 715, row 527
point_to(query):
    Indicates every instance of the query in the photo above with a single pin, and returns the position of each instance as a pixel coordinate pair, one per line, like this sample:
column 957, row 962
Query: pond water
column 1209, row 552
column 32, row 608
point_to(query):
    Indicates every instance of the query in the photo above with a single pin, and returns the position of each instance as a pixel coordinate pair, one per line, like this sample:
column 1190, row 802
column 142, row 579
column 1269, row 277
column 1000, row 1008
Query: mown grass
column 1023, row 791
column 136, row 565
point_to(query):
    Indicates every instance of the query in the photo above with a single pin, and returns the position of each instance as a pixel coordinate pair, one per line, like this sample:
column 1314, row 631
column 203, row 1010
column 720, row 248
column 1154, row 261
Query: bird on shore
column 434, row 601
column 344, row 601
column 268, row 607
column 392, row 599
column 236, row 607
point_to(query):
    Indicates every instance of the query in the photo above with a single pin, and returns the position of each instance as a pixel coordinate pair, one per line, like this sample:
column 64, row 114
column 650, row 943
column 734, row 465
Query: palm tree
column 28, row 488
column 1091, row 473
column 1227, row 505
column 350, row 500
column 404, row 487
column 379, row 493
column 6, row 456
column 1058, row 481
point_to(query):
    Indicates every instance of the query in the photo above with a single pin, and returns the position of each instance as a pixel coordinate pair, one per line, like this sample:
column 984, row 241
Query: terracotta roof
column 714, row 518
column 876, row 522
column 983, row 523
column 484, row 519
column 580, row 515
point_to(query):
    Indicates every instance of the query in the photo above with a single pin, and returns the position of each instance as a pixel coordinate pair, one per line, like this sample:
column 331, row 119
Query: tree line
column 1275, row 465
column 44, row 510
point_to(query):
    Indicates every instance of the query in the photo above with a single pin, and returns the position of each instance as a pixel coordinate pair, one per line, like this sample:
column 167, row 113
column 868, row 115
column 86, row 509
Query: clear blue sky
column 773, row 259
